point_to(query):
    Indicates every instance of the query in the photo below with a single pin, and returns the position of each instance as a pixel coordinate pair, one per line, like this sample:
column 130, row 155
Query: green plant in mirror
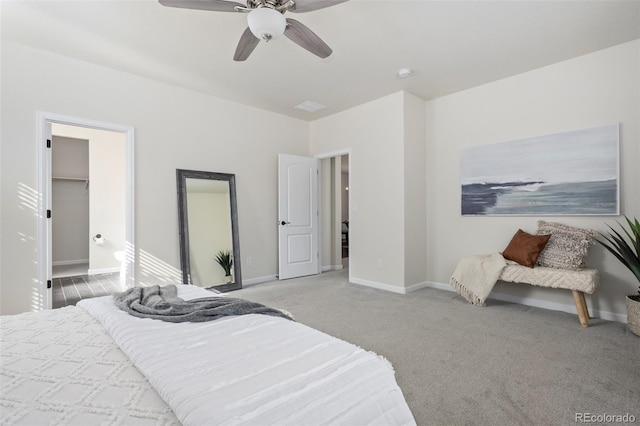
column 626, row 250
column 225, row 261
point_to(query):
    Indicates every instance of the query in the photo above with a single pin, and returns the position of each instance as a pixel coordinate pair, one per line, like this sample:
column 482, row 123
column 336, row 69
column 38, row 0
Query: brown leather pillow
column 525, row 248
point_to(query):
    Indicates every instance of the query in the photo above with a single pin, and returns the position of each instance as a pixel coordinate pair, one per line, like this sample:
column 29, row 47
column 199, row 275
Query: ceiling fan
column 266, row 21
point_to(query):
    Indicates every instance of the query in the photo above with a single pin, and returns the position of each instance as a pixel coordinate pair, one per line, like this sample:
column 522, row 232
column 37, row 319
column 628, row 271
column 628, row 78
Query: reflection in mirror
column 208, row 229
column 208, row 213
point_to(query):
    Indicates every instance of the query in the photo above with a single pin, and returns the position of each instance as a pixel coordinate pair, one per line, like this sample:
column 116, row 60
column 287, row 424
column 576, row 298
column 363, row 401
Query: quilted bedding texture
column 61, row 367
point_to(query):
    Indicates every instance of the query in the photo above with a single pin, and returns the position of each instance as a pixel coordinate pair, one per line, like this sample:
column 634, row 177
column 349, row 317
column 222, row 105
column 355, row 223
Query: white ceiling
column 450, row 45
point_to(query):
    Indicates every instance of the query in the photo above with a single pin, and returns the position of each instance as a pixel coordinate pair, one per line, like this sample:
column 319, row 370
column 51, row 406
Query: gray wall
column 70, row 200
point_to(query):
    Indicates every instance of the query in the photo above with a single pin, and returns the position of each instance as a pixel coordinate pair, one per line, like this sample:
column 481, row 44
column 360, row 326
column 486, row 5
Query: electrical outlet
column 249, row 261
column 379, row 263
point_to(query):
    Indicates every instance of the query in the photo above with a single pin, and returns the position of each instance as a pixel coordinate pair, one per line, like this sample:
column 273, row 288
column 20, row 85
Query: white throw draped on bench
column 475, row 276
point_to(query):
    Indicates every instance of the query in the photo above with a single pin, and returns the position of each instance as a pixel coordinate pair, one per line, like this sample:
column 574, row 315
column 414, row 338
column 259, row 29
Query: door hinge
column 48, row 143
column 48, row 214
column 48, row 283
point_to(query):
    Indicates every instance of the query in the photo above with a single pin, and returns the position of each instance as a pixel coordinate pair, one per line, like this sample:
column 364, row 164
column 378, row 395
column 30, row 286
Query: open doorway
column 70, row 201
column 88, row 227
column 85, row 238
column 344, row 209
column 336, row 224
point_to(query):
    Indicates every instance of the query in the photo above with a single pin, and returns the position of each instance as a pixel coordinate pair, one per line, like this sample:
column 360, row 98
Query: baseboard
column 328, row 268
column 69, row 262
column 359, row 281
column 267, row 278
column 416, row 286
column 537, row 303
column 440, row 286
column 103, row 270
column 608, row 315
column 388, row 287
column 379, row 286
column 258, row 280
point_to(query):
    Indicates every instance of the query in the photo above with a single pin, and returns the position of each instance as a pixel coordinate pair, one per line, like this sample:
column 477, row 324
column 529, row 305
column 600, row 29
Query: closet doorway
column 85, row 233
column 88, row 202
column 70, row 201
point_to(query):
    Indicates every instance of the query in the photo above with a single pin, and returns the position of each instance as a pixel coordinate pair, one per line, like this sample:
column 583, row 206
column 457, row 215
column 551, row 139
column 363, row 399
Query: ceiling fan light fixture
column 266, row 23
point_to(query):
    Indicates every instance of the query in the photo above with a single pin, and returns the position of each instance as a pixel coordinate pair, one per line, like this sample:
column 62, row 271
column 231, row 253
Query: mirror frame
column 182, row 175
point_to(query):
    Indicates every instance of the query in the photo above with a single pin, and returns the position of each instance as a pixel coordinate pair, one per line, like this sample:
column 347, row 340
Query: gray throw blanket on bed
column 163, row 303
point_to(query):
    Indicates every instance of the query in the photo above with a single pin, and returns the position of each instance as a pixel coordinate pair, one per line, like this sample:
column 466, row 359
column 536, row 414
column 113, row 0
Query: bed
column 96, row 364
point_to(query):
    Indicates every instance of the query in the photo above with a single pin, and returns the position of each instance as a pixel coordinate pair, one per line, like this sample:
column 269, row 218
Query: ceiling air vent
column 310, row 106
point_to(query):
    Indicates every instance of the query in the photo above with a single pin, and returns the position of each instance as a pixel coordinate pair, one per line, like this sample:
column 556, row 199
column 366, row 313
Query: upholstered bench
column 579, row 282
column 555, row 257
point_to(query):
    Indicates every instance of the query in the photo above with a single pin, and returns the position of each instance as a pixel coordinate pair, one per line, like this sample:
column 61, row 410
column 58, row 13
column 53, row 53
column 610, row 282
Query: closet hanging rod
column 70, row 179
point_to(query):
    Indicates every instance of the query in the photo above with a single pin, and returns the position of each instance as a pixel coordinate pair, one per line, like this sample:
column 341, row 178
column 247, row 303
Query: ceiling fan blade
column 301, row 6
column 247, row 43
column 301, row 35
column 212, row 5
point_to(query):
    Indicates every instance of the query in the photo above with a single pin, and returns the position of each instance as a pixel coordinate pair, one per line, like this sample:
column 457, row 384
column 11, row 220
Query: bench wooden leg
column 581, row 306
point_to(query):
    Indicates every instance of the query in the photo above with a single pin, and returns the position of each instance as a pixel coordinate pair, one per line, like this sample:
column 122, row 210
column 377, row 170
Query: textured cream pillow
column 568, row 246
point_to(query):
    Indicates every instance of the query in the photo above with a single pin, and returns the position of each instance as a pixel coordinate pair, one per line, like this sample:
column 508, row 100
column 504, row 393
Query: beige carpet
column 504, row 364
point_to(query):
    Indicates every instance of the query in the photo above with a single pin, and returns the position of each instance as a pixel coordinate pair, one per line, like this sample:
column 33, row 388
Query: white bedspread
column 60, row 367
column 255, row 369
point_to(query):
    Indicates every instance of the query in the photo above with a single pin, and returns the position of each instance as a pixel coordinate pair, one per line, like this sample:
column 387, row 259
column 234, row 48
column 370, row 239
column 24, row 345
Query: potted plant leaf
column 226, row 262
column 627, row 251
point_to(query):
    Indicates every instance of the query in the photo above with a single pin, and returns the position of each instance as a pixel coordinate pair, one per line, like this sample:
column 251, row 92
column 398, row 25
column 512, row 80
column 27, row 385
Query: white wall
column 174, row 128
column 592, row 90
column 375, row 133
column 177, row 128
column 415, row 196
column 107, row 173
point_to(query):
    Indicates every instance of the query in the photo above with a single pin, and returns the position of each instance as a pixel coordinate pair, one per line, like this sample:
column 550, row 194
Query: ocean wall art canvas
column 571, row 173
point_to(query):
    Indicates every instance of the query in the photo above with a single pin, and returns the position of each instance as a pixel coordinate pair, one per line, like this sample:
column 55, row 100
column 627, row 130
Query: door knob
column 284, row 223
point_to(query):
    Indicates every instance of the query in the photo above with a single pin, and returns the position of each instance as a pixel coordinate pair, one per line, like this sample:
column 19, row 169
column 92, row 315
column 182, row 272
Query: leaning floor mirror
column 208, row 222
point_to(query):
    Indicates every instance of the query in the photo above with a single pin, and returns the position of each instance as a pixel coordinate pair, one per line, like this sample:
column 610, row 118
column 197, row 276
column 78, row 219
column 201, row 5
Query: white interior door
column 45, row 252
column 298, row 216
